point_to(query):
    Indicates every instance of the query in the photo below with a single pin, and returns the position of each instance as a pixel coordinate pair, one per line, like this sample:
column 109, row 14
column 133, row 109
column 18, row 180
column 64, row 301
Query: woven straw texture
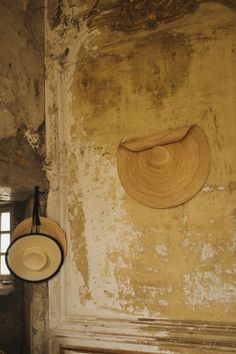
column 166, row 169
column 47, row 227
column 34, row 258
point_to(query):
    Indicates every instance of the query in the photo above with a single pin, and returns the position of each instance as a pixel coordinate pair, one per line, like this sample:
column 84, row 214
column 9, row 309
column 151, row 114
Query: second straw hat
column 166, row 169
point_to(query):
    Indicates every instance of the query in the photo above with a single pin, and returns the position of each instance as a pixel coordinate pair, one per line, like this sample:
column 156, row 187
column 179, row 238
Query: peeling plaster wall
column 22, row 72
column 126, row 259
column 21, row 98
column 22, row 153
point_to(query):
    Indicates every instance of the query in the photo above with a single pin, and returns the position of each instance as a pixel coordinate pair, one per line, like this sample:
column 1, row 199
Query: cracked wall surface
column 22, row 155
column 105, row 85
column 22, row 72
column 21, row 98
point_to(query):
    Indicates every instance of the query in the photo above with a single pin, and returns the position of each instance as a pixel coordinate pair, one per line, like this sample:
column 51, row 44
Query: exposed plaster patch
column 211, row 188
column 185, row 219
column 207, row 252
column 163, row 302
column 188, row 243
column 71, row 46
column 101, row 197
column 33, row 139
column 161, row 250
column 77, row 227
column 221, row 188
column 164, row 290
column 74, row 284
column 203, row 288
column 207, row 189
column 153, row 269
column 232, row 245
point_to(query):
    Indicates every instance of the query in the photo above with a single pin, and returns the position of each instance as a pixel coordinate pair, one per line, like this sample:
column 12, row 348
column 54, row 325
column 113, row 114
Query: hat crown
column 36, row 254
column 166, row 169
column 158, row 155
column 34, row 258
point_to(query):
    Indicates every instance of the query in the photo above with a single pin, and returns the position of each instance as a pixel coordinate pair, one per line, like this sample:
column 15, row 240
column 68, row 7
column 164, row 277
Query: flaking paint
column 133, row 260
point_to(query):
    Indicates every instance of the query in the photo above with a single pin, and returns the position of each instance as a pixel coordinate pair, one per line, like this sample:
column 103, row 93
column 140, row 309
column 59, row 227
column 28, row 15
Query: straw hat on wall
column 167, row 169
column 36, row 255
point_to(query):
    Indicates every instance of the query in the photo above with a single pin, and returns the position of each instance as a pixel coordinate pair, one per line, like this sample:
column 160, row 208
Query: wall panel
column 127, row 262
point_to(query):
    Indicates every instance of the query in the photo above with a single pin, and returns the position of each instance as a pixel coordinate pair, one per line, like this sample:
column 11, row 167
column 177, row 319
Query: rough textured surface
column 21, row 98
column 20, row 169
column 22, row 72
column 103, row 86
column 36, row 316
column 22, row 155
column 11, row 315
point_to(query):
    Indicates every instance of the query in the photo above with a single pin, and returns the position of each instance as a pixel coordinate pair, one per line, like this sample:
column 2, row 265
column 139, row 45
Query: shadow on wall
column 11, row 318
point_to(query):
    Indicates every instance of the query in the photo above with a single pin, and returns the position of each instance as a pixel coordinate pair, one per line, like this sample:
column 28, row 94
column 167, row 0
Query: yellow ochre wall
column 125, row 258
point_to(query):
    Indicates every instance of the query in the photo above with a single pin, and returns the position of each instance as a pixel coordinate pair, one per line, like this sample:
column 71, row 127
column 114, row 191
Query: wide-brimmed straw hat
column 36, row 254
column 166, row 169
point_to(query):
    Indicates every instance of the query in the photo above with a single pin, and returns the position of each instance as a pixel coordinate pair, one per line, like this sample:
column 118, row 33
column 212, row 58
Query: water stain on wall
column 160, row 65
column 97, row 89
column 54, row 12
column 21, row 69
column 111, row 84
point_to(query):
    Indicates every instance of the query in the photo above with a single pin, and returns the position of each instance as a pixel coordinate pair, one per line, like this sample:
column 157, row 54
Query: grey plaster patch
column 20, row 170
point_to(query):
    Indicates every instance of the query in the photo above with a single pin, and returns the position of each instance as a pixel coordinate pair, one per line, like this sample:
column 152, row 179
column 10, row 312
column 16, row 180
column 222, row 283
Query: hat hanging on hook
column 166, row 169
column 38, row 248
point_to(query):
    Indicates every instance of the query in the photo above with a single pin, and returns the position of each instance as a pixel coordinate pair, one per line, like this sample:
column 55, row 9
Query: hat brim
column 47, row 227
column 53, row 252
column 165, row 170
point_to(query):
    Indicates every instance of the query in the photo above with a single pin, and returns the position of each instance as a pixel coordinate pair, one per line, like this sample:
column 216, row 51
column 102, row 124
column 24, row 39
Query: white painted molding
column 146, row 334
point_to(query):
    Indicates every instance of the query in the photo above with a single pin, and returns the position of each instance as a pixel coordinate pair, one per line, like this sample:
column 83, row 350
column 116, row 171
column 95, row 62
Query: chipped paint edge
column 147, row 334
